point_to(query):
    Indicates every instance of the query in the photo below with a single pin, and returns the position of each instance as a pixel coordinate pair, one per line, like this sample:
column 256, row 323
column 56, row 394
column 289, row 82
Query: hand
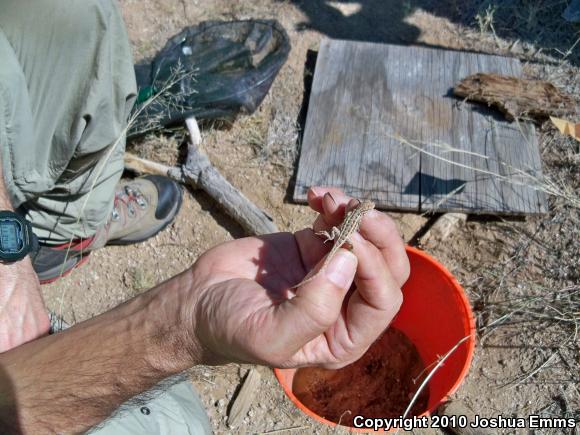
column 246, row 311
column 22, row 314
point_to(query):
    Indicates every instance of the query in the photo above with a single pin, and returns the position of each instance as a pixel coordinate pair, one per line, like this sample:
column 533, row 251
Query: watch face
column 11, row 237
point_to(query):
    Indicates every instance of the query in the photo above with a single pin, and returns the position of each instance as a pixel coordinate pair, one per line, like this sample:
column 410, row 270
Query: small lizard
column 342, row 234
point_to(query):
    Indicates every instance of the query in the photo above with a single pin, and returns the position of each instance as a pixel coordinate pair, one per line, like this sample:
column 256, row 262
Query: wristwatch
column 16, row 237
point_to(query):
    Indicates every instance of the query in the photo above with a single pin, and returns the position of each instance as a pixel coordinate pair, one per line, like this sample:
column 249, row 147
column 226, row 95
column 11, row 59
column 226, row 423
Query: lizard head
column 366, row 206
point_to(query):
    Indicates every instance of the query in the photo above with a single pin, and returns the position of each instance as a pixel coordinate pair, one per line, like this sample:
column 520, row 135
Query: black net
column 214, row 70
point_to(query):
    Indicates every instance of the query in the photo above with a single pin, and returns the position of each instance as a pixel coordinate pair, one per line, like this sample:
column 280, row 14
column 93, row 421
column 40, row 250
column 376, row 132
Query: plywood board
column 382, row 124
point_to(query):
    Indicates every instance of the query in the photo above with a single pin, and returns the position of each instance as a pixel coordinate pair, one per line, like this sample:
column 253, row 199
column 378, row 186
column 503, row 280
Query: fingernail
column 329, row 195
column 342, row 268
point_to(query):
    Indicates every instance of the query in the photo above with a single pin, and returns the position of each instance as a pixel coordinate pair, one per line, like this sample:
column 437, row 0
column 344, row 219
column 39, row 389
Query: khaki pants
column 175, row 411
column 67, row 86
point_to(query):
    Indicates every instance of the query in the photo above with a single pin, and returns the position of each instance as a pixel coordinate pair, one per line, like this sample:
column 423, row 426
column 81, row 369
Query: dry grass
column 161, row 148
column 516, row 176
column 533, row 296
column 535, row 24
column 167, row 98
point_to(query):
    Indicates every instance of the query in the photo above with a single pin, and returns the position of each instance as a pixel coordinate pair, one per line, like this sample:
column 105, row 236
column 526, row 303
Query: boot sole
column 52, row 279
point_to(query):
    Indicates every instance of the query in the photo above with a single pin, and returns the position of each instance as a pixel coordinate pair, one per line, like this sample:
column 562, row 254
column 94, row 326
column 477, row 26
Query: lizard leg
column 332, row 235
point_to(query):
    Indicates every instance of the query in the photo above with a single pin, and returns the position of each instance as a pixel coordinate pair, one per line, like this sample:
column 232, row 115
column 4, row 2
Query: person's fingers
column 316, row 194
column 370, row 309
column 324, row 222
column 377, row 298
column 376, row 227
column 317, row 304
column 331, row 214
column 381, row 231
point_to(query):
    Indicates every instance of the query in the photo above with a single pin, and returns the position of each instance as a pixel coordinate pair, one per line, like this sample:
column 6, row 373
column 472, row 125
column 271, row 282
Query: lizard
column 341, row 234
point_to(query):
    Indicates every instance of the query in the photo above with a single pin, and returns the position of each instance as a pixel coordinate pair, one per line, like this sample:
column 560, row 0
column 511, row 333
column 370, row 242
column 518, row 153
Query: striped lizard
column 341, row 234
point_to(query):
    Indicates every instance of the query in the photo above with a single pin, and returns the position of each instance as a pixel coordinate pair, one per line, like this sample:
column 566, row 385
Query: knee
column 88, row 15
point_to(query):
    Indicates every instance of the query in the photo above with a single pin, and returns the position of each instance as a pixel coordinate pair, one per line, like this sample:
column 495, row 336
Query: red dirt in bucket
column 435, row 317
column 380, row 384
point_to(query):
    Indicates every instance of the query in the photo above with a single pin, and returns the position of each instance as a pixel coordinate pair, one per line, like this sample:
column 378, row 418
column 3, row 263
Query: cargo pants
column 67, row 86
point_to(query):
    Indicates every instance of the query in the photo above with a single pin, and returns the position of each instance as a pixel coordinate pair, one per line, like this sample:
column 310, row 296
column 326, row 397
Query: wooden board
column 373, row 105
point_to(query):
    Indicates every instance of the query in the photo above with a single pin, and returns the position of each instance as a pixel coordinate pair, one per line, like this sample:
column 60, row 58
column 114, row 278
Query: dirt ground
column 522, row 276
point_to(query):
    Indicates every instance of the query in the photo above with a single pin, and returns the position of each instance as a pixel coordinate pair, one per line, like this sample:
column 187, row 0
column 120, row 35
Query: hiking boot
column 142, row 208
column 55, row 262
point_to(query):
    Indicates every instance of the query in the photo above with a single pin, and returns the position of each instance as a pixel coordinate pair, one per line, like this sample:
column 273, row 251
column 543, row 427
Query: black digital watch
column 16, row 237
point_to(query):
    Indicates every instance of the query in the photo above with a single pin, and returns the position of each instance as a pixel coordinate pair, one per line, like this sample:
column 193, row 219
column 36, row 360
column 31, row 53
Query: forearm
column 71, row 381
column 22, row 313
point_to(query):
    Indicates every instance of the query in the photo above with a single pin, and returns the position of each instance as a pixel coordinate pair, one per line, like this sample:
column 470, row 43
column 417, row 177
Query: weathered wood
column 382, row 125
column 491, row 156
column 199, row 173
column 516, row 97
column 143, row 166
column 443, row 227
column 346, row 141
column 241, row 403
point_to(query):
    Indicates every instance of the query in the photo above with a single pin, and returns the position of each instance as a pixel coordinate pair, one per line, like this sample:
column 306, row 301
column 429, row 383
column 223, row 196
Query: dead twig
column 286, row 429
column 430, row 375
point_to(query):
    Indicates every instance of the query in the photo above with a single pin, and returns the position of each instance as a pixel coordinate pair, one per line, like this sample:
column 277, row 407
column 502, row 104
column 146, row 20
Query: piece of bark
column 458, row 408
column 516, row 97
column 241, row 403
column 443, row 227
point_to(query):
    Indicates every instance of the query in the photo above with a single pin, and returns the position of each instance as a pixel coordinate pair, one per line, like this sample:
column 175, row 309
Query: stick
column 144, row 166
column 243, row 400
column 443, row 227
column 199, row 171
column 430, row 375
column 286, row 429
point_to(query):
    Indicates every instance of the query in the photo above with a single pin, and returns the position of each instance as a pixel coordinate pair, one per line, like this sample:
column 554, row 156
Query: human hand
column 246, row 311
column 23, row 316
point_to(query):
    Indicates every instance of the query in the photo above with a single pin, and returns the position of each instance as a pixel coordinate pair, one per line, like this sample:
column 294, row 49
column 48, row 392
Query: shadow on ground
column 537, row 22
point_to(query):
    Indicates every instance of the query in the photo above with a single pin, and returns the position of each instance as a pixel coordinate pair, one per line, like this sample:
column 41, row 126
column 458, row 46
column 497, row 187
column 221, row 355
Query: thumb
column 318, row 303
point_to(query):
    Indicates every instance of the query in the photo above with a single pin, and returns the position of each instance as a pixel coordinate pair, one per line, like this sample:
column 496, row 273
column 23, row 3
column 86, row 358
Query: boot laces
column 128, row 196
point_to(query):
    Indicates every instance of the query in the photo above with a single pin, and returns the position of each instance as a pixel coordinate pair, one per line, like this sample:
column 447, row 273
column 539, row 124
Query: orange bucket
column 435, row 316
